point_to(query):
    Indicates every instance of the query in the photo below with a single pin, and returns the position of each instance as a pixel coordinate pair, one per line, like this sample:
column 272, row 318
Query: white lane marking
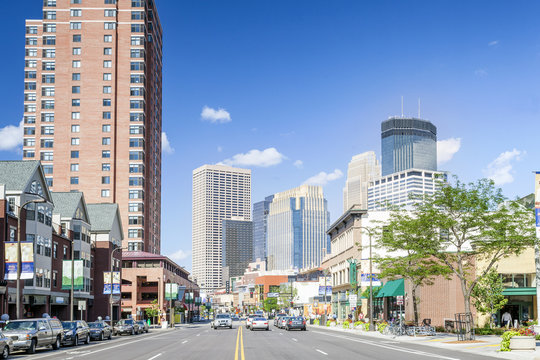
column 280, row 333
column 153, row 357
column 198, row 334
column 390, row 347
column 185, row 341
column 293, row 339
column 322, row 352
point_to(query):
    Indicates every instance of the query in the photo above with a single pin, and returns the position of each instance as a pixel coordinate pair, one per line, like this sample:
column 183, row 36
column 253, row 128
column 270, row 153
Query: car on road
column 75, row 332
column 126, row 326
column 100, row 330
column 282, row 321
column 277, row 318
column 222, row 320
column 259, row 323
column 6, row 346
column 249, row 319
column 29, row 334
column 143, row 326
column 295, row 322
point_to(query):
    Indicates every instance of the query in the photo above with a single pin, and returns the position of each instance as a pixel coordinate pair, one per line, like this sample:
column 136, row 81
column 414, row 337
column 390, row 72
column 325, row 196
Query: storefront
column 520, row 305
column 387, row 306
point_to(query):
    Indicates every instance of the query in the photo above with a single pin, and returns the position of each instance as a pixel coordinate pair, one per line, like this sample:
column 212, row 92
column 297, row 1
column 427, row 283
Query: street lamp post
column 112, row 269
column 41, row 200
column 369, row 231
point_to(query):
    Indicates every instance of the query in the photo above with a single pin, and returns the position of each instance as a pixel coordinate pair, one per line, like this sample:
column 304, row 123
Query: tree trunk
column 415, row 306
column 467, row 304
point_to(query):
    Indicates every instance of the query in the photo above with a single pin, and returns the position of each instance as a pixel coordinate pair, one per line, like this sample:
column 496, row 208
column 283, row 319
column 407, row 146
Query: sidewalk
column 488, row 346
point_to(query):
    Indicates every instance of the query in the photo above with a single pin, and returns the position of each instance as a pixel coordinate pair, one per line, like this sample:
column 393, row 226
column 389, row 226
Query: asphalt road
column 199, row 341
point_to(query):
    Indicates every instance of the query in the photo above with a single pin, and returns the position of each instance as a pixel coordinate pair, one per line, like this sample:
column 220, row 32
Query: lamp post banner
column 10, row 260
column 27, row 260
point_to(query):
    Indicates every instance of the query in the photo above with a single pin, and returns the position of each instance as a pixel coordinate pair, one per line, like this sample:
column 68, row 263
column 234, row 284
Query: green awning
column 392, row 288
column 519, row 291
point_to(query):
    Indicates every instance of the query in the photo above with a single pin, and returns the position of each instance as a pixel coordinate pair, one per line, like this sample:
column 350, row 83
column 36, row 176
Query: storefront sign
column 353, row 299
column 365, row 280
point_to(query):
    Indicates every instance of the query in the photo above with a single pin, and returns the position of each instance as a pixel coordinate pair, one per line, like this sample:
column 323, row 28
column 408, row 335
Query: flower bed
column 522, row 339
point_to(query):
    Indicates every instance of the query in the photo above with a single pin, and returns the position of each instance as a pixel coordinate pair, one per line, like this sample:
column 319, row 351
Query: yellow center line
column 237, row 342
column 242, row 343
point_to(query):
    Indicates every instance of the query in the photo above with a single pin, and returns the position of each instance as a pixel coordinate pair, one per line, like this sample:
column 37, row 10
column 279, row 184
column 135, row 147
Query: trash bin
column 164, row 324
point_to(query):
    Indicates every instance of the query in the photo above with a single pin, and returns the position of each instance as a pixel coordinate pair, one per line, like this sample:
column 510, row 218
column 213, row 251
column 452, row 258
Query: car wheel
column 251, row 329
column 230, row 327
column 5, row 352
column 32, row 348
column 100, row 338
column 87, row 339
column 268, row 328
column 76, row 340
column 132, row 331
column 110, row 335
column 56, row 344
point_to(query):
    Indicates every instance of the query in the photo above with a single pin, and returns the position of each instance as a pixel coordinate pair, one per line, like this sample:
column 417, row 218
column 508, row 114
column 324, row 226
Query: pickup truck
column 28, row 334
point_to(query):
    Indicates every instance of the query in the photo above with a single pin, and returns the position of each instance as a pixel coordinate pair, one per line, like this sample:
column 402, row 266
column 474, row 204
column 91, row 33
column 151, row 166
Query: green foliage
column 328, row 322
column 153, row 310
column 487, row 294
column 285, row 293
column 381, row 326
column 375, row 291
column 488, row 331
column 366, row 326
column 357, row 323
column 346, row 324
column 316, row 322
column 270, row 304
column 505, row 342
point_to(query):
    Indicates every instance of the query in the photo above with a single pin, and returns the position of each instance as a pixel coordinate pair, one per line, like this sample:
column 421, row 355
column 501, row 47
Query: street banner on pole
column 364, row 280
column 116, row 282
column 10, row 259
column 27, row 260
column 171, row 291
column 78, row 275
column 181, row 291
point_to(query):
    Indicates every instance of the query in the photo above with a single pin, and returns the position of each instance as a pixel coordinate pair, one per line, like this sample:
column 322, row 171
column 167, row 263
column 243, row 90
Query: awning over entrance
column 392, row 288
column 519, row 291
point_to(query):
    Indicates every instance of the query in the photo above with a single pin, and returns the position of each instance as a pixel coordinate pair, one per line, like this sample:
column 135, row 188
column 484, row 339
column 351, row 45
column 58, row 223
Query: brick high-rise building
column 92, row 106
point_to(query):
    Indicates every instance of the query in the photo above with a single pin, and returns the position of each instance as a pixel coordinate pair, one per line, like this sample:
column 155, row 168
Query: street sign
column 399, row 300
column 82, row 305
column 272, row 295
column 353, row 298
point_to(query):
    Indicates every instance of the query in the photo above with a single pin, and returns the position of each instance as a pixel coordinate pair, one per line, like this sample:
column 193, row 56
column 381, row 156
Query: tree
column 270, row 304
column 153, row 310
column 404, row 238
column 286, row 294
column 470, row 224
column 487, row 294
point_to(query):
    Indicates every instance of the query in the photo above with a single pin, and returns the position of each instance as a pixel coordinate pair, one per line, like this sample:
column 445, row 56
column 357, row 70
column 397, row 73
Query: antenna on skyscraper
column 401, row 105
column 419, row 108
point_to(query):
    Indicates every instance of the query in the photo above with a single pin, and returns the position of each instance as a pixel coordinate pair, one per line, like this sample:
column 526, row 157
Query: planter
column 523, row 343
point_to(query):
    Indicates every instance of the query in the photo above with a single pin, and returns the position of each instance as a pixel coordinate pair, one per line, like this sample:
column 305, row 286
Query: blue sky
column 310, row 82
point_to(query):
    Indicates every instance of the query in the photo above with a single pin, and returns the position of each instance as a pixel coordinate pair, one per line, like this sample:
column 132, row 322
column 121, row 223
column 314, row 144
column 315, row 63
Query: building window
column 110, row 2
column 107, row 38
column 75, row 102
column 48, row 28
column 105, row 179
column 76, row 51
column 135, row 233
column 109, row 25
column 30, row 85
column 105, row 193
column 75, row 141
column 75, row 154
column 47, row 104
column 74, row 167
column 107, row 76
column 49, row 40
column 75, row 26
column 29, row 153
column 76, row 63
column 49, row 182
column 48, row 65
column 75, row 89
column 136, row 117
column 75, row 128
column 107, row 64
column 30, row 63
column 105, row 154
column 29, row 131
column 137, row 28
column 137, row 79
column 136, row 181
column 48, row 78
column 137, row 53
column 47, row 91
column 74, row 180
column 49, row 15
column 106, row 115
column 47, row 143
column 106, row 102
column 76, row 12
column 49, row 53
column 107, row 89
column 106, row 167
column 137, row 15
column 31, row 29
column 106, row 128
column 29, row 119
column 75, row 115
column 106, row 141
column 47, row 130
column 107, row 51
column 137, row 66
column 77, row 38
column 46, row 156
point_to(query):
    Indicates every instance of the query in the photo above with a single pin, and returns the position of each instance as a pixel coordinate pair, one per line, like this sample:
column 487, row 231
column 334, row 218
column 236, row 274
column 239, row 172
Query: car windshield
column 298, row 318
column 128, row 322
column 69, row 325
column 251, row 316
column 21, row 325
column 259, row 319
column 222, row 316
column 95, row 325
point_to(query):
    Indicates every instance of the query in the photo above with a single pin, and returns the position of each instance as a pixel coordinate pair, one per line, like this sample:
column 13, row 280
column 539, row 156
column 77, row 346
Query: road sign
column 353, row 298
column 399, row 300
column 82, row 305
column 272, row 295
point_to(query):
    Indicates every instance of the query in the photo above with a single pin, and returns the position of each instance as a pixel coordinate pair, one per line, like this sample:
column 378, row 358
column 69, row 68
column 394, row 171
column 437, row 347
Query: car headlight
column 27, row 337
column 68, row 333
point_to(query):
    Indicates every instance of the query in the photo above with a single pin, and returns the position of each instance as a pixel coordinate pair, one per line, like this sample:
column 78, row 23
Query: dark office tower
column 237, row 246
column 408, row 143
column 260, row 227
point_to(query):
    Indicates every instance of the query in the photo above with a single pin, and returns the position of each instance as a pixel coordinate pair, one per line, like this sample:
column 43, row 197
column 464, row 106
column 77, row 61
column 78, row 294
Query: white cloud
column 165, row 145
column 493, row 43
column 179, row 255
column 500, row 169
column 299, row 164
column 267, row 157
column 446, row 149
column 323, row 178
column 480, row 72
column 11, row 137
column 214, row 116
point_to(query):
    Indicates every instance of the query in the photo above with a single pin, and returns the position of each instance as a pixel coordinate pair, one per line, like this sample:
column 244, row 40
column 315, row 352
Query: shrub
column 381, row 326
column 358, row 323
column 505, row 343
column 440, row 329
column 488, row 331
column 346, row 324
column 328, row 322
column 316, row 322
column 366, row 326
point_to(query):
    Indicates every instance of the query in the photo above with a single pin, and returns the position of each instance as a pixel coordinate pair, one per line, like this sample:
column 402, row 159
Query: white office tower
column 297, row 223
column 363, row 169
column 219, row 192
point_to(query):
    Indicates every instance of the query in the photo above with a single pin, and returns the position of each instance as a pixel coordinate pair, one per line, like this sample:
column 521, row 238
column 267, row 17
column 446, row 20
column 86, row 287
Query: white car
column 249, row 319
column 259, row 323
column 222, row 320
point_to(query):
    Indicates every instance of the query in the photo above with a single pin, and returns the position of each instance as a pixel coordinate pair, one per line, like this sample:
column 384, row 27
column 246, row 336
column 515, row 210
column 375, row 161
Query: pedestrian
column 506, row 319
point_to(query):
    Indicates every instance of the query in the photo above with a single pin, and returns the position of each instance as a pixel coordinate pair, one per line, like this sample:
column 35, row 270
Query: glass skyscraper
column 297, row 223
column 260, row 227
column 237, row 246
column 408, row 143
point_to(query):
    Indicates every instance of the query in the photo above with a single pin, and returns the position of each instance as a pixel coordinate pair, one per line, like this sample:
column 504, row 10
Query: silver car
column 259, row 323
column 6, row 346
column 222, row 320
column 29, row 334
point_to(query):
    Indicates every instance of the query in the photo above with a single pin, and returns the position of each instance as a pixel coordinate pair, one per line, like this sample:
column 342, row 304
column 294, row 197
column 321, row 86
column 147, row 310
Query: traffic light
column 251, row 294
column 227, row 287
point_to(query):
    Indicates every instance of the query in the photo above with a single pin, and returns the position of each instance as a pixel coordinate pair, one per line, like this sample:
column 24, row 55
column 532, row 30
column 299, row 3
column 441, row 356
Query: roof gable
column 103, row 216
column 70, row 205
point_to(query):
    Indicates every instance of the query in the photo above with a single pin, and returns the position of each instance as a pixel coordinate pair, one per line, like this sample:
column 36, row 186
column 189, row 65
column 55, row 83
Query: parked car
column 100, row 330
column 259, row 323
column 143, row 326
column 295, row 322
column 222, row 320
column 249, row 319
column 75, row 332
column 282, row 321
column 6, row 346
column 277, row 318
column 126, row 326
column 29, row 334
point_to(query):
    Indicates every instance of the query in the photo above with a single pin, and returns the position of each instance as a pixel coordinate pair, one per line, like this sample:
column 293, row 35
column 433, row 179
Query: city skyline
column 251, row 106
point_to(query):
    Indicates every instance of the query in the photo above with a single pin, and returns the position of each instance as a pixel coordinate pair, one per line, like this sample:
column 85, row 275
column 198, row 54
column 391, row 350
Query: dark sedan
column 143, row 326
column 126, row 326
column 296, row 322
column 75, row 332
column 100, row 330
